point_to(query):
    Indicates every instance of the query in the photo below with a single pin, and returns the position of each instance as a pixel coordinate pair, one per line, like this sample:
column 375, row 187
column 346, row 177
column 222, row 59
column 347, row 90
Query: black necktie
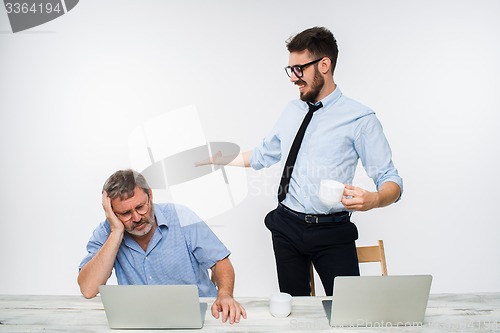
column 294, row 150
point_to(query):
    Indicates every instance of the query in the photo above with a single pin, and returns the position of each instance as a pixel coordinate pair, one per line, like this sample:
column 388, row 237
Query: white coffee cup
column 280, row 305
column 330, row 192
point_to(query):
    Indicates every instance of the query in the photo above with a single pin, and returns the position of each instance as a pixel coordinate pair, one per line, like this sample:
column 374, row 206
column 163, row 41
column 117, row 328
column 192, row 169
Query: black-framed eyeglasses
column 142, row 210
column 298, row 70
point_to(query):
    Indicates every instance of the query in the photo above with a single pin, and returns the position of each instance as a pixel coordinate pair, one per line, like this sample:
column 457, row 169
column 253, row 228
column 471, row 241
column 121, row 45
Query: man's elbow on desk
column 88, row 293
column 86, row 290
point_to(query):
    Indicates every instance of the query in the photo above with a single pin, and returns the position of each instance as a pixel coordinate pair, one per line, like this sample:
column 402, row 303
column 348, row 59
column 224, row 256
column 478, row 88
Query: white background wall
column 72, row 90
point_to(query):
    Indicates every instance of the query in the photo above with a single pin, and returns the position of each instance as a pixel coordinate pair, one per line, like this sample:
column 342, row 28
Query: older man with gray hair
column 153, row 244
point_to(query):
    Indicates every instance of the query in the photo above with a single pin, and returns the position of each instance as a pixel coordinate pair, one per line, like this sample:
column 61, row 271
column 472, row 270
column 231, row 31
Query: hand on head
column 114, row 221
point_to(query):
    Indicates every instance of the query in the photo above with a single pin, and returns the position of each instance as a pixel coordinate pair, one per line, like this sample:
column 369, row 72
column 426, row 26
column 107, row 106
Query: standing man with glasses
column 151, row 244
column 320, row 136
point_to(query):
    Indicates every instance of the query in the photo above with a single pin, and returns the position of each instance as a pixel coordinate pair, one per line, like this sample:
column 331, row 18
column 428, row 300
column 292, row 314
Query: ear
column 150, row 195
column 324, row 65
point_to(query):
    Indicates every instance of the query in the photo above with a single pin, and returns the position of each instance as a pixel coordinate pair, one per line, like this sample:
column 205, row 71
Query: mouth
column 301, row 85
column 140, row 226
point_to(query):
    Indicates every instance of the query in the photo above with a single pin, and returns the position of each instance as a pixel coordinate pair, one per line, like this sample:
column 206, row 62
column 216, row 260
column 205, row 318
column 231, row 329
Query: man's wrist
column 224, row 292
column 378, row 200
column 116, row 235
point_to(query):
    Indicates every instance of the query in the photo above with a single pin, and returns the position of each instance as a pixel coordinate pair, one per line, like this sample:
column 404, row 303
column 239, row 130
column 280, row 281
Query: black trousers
column 330, row 246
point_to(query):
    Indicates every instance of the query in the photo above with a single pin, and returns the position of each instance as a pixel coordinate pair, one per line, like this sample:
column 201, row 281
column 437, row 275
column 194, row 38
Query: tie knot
column 315, row 107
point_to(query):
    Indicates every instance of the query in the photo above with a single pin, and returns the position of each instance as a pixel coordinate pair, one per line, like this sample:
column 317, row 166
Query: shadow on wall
column 165, row 149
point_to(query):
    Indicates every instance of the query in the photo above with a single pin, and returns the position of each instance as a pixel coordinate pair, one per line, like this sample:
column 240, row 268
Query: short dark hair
column 123, row 183
column 319, row 41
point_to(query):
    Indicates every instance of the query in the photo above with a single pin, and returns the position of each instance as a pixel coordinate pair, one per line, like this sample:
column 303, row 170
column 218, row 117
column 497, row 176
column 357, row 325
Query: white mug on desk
column 330, row 192
column 280, row 305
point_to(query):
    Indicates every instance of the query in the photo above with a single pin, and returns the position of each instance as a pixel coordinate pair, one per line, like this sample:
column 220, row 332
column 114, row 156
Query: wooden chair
column 374, row 253
column 366, row 254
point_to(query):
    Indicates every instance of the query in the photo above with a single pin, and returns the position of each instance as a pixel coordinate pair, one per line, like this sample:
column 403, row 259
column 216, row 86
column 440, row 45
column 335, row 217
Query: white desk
column 445, row 313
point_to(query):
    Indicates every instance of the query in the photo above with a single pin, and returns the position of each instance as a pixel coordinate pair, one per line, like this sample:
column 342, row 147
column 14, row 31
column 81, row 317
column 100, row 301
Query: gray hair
column 123, row 183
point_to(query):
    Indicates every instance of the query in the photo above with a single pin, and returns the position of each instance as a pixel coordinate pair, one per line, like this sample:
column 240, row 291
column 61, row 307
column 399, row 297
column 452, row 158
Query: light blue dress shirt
column 181, row 251
column 339, row 134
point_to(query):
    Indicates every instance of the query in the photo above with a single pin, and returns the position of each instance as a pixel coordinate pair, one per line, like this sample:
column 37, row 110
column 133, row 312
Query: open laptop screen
column 152, row 307
column 379, row 301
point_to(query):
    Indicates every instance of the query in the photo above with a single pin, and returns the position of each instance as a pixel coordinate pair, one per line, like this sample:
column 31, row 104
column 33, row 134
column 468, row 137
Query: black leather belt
column 316, row 218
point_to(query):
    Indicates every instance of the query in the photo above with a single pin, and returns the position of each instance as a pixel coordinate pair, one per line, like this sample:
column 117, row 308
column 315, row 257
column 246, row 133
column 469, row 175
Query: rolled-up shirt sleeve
column 267, row 153
column 201, row 240
column 96, row 241
column 375, row 153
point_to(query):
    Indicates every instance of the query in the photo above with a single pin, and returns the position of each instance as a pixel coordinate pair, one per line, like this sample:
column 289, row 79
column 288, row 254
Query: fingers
column 226, row 313
column 358, row 199
column 349, row 195
column 231, row 310
column 104, row 197
column 350, row 204
column 240, row 312
column 350, row 190
column 352, row 197
column 234, row 312
column 114, row 222
column 215, row 310
column 244, row 312
column 106, row 203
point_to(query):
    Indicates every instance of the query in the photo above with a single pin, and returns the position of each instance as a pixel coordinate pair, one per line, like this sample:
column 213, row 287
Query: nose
column 136, row 217
column 293, row 77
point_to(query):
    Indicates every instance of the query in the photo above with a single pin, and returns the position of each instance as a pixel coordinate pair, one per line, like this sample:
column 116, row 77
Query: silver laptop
column 378, row 301
column 153, row 307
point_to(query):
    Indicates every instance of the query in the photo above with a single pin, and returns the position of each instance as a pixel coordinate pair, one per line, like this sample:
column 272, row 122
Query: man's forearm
column 224, row 276
column 97, row 271
column 242, row 160
column 388, row 193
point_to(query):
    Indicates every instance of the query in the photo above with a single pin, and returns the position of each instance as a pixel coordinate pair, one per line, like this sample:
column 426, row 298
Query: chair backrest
column 366, row 254
column 374, row 253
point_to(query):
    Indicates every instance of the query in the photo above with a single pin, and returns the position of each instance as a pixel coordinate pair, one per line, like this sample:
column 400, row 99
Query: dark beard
column 316, row 86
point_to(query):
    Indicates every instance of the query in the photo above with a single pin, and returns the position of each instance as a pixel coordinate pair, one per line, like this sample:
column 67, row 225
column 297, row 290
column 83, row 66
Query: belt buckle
column 308, row 217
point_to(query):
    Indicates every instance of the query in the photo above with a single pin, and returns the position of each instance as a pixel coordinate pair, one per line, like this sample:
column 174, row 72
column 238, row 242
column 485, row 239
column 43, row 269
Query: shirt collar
column 160, row 217
column 332, row 98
